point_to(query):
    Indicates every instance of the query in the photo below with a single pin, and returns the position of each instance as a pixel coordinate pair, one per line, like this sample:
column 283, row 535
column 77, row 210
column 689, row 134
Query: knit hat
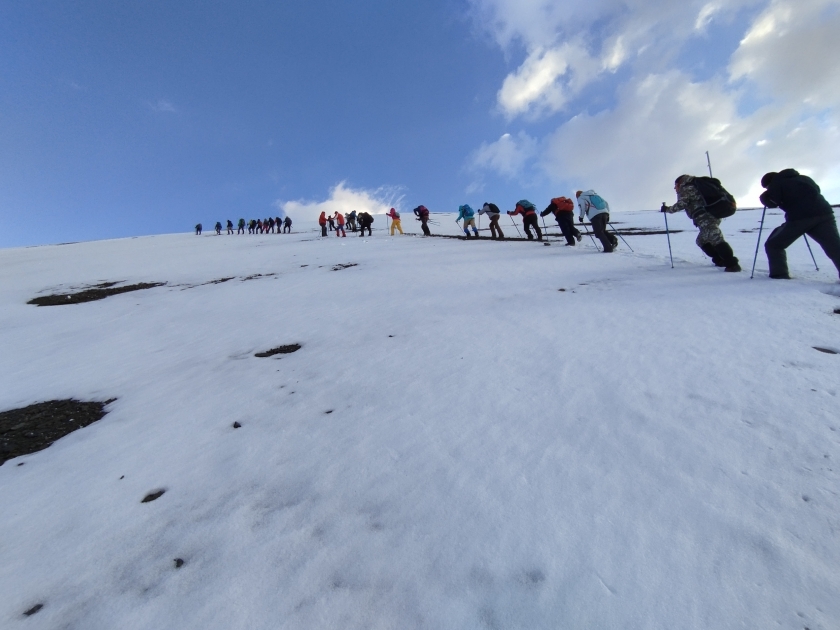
column 578, row 193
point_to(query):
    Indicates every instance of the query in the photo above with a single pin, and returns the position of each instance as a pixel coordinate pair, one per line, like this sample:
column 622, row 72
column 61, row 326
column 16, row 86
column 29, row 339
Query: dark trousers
column 324, row 230
column 599, row 226
column 424, row 224
column 287, row 228
column 566, row 221
column 495, row 228
column 530, row 221
column 822, row 229
column 364, row 227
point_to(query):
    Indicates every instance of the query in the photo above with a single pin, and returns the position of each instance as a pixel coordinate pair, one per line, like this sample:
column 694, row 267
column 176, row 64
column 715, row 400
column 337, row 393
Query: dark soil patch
column 825, row 350
column 258, row 275
column 33, row 610
column 347, row 266
column 91, row 294
column 236, row 425
column 179, row 562
column 279, row 350
column 837, row 311
column 220, row 280
column 153, row 496
column 34, row 428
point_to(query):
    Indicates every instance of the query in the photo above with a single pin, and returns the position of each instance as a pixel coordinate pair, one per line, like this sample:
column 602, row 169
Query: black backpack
column 719, row 203
column 494, row 209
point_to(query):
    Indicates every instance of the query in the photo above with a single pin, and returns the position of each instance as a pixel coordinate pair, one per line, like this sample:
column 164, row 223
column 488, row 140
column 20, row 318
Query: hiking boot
column 724, row 253
column 579, row 238
column 710, row 251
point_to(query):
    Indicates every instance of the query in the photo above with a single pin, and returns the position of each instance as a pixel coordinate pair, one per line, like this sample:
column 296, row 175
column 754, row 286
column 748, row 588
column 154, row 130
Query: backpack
column 597, row 201
column 494, row 209
column 563, row 204
column 719, row 203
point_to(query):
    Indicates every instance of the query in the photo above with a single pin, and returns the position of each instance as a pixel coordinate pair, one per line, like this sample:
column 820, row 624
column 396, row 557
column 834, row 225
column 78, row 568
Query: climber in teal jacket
column 468, row 215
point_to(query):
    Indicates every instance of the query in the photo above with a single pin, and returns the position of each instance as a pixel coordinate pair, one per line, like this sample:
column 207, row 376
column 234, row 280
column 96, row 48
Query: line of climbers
column 336, row 222
column 255, row 226
column 590, row 204
column 704, row 199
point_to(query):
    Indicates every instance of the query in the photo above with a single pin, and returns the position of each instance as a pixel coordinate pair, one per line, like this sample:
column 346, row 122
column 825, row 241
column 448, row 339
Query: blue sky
column 129, row 118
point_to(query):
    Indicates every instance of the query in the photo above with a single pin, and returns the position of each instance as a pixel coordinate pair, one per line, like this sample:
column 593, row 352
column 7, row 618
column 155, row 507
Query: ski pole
column 620, row 236
column 668, row 234
column 516, row 226
column 805, row 236
column 545, row 229
column 593, row 240
column 760, row 228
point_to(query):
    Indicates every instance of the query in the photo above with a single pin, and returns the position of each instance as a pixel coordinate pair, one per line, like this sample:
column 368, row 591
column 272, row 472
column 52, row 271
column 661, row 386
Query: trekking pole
column 668, row 234
column 516, row 226
column 760, row 228
column 545, row 229
column 620, row 236
column 805, row 236
column 593, row 240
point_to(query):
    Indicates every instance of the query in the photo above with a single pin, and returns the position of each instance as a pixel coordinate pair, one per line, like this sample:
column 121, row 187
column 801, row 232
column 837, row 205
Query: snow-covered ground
column 473, row 435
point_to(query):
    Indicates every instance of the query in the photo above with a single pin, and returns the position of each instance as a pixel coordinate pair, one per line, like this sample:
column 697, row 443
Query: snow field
column 650, row 448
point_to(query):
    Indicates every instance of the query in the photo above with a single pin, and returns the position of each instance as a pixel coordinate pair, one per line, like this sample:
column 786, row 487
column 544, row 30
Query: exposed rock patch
column 279, row 350
column 33, row 428
column 153, row 496
column 91, row 294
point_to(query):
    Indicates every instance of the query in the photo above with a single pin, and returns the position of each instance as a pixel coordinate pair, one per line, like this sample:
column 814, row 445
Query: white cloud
column 661, row 128
column 791, row 52
column 344, row 199
column 660, row 121
column 704, row 17
column 163, row 106
column 537, row 87
column 506, row 156
column 570, row 45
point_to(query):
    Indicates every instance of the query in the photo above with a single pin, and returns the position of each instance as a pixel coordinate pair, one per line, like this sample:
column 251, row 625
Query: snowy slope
column 647, row 448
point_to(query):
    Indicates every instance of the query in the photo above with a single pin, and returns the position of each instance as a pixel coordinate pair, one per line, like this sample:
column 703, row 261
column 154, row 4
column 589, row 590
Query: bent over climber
column 710, row 239
column 595, row 207
column 806, row 212
column 529, row 218
column 468, row 215
column 493, row 213
column 422, row 213
column 563, row 210
column 365, row 221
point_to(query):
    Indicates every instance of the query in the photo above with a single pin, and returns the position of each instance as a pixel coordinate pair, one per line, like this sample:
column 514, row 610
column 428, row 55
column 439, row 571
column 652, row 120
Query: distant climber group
column 704, row 199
